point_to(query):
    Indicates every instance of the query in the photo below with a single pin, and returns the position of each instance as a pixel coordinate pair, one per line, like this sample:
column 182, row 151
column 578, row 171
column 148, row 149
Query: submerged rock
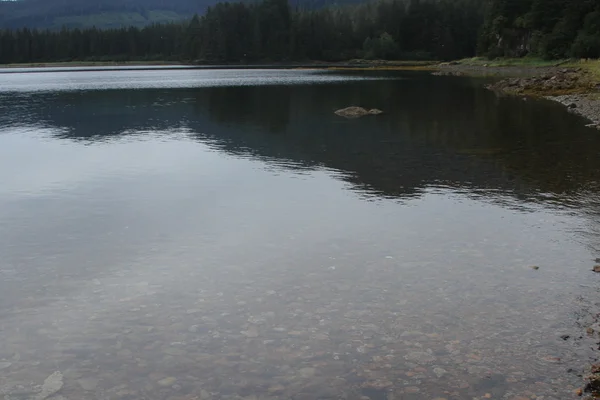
column 356, row 112
column 251, row 333
column 166, row 382
column 307, row 372
column 88, row 384
column 52, row 385
column 420, row 357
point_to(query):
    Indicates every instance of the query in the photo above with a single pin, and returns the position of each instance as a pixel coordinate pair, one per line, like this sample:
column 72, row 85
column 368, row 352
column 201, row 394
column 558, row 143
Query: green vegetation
column 593, row 66
column 269, row 31
column 591, row 72
column 535, row 32
column 528, row 61
column 551, row 29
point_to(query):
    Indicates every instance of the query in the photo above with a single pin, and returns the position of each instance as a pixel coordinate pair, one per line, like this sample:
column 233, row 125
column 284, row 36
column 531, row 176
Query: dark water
column 223, row 235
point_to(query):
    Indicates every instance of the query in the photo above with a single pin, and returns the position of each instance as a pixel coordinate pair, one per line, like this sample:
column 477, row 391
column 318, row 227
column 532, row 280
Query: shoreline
column 575, row 85
column 140, row 65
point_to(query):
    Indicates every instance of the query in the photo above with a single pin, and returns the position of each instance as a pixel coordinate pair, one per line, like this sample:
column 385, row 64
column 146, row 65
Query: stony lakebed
column 169, row 236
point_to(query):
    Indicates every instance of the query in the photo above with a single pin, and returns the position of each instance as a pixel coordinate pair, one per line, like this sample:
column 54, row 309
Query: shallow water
column 188, row 234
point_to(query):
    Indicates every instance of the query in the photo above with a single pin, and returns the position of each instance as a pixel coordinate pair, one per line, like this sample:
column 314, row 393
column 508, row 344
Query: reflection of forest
column 435, row 131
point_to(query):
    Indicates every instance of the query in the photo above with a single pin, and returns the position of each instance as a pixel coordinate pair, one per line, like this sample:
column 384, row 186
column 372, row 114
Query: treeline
column 273, row 31
column 548, row 28
column 269, row 31
column 156, row 42
column 388, row 29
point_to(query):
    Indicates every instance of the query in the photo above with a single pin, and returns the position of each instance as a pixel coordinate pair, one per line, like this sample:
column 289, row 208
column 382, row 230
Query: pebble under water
column 198, row 235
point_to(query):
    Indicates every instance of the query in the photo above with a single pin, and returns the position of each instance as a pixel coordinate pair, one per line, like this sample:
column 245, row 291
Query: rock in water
column 355, row 112
column 352, row 112
column 596, row 268
column 51, row 386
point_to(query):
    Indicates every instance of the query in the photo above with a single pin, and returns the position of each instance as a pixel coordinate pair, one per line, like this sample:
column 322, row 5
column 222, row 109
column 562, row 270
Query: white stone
column 52, row 385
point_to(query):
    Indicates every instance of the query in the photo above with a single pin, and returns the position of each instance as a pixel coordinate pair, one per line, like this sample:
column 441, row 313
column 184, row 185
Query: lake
column 203, row 234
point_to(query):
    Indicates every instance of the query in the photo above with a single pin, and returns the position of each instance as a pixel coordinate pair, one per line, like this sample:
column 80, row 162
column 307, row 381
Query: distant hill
column 99, row 13
column 55, row 14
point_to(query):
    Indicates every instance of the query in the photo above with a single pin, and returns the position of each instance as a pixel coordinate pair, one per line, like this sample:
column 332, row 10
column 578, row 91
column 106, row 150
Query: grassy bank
column 592, row 66
column 530, row 76
column 532, row 62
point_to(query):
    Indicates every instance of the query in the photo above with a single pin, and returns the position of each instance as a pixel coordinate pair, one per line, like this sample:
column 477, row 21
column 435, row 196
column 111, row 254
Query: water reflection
column 436, row 132
column 202, row 243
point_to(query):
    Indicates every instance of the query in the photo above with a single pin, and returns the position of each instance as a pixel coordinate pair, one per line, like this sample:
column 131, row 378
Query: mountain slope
column 99, row 13
column 55, row 14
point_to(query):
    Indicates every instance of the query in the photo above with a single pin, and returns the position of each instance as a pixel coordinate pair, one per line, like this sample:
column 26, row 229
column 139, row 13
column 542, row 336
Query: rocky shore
column 586, row 105
column 576, row 87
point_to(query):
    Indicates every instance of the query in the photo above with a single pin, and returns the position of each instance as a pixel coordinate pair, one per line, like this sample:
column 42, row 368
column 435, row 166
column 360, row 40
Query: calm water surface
column 189, row 234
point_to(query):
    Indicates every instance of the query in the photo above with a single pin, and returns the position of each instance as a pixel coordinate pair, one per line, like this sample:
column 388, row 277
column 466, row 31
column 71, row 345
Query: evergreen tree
column 271, row 31
column 548, row 28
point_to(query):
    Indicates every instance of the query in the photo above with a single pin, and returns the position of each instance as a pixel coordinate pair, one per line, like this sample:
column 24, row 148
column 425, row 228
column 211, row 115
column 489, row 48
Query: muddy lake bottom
column 194, row 234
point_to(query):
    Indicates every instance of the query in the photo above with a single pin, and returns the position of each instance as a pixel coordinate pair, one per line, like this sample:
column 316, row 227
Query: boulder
column 356, row 112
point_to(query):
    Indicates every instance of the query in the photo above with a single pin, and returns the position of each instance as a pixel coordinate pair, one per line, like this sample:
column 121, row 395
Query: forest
column 551, row 29
column 275, row 31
